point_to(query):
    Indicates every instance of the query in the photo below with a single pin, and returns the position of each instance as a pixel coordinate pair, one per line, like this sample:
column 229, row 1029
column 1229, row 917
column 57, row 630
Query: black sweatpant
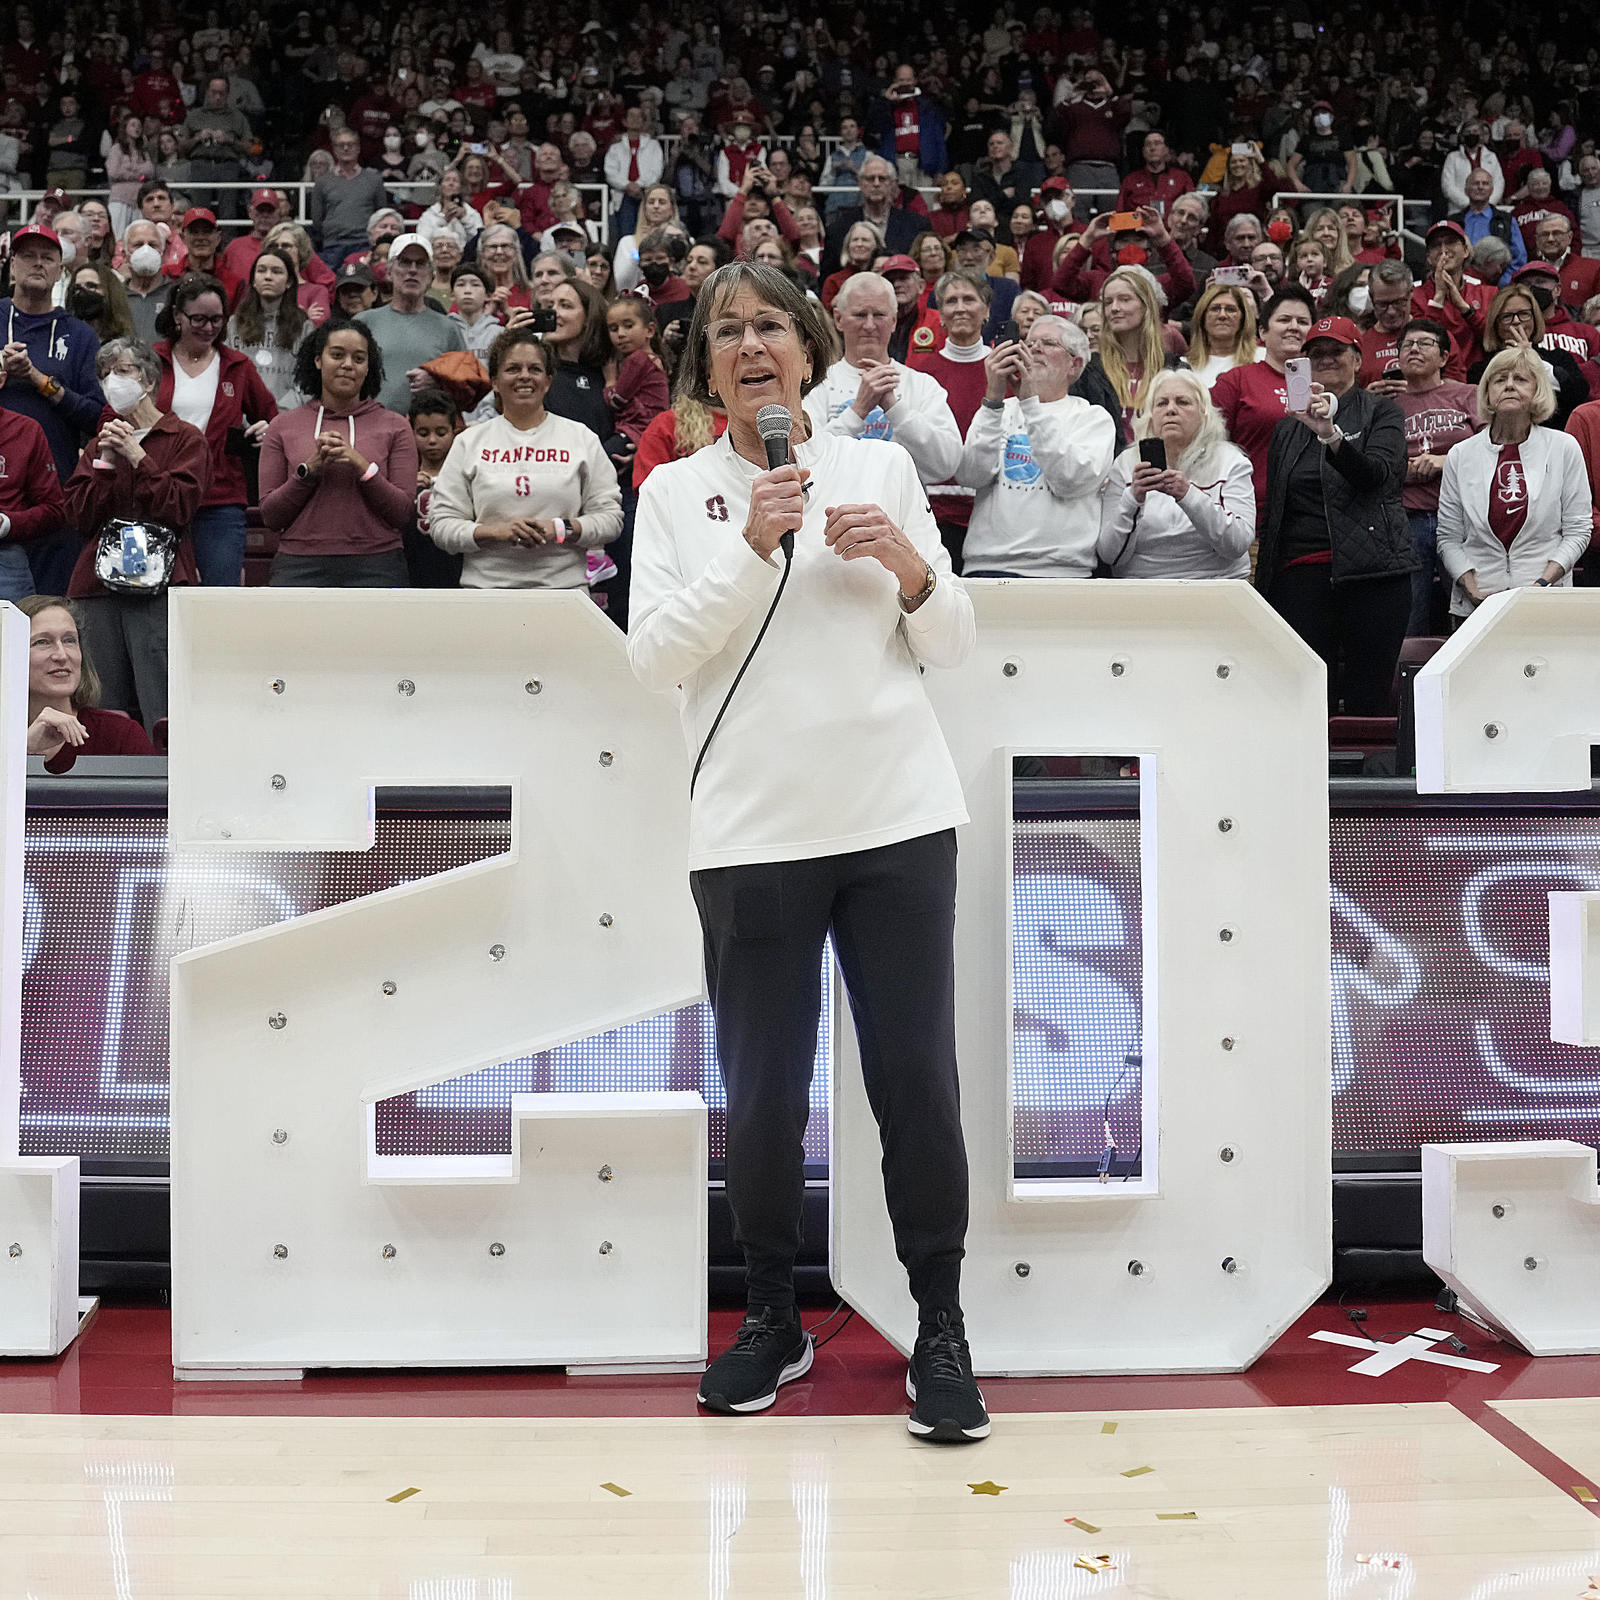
column 1359, row 626
column 892, row 915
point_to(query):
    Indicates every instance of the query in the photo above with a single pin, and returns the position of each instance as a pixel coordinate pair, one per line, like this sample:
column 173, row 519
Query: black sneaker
column 946, row 1404
column 768, row 1351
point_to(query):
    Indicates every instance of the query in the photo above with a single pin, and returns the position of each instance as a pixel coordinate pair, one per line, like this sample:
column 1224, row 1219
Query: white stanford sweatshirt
column 830, row 745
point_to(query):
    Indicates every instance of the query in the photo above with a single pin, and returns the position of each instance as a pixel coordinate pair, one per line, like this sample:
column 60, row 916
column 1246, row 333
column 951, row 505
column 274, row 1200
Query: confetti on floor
column 1583, row 1492
column 1108, row 1427
column 1177, row 1516
column 405, row 1494
column 1137, row 1472
column 1393, row 1562
column 1081, row 1525
column 1095, row 1563
column 986, row 1487
column 617, row 1490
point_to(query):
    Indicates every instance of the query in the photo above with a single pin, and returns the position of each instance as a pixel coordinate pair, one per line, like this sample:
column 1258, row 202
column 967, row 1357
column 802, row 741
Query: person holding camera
column 1122, row 239
column 1181, row 502
column 1035, row 462
column 757, row 198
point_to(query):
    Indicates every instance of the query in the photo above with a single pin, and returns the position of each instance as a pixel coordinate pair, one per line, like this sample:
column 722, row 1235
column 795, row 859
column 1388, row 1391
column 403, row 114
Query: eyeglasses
column 202, row 322
column 1516, row 316
column 771, row 327
column 1424, row 345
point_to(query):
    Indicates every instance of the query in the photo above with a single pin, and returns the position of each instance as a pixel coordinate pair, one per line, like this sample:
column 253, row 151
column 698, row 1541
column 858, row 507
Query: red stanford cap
column 898, row 264
column 1449, row 227
column 1341, row 329
column 199, row 214
column 263, row 197
column 36, row 230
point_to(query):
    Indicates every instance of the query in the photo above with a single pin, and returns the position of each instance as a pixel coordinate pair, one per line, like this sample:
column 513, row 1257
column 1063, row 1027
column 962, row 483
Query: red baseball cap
column 1060, row 185
column 198, row 214
column 263, row 197
column 36, row 230
column 55, row 197
column 1341, row 329
column 1448, row 227
column 1537, row 269
column 898, row 264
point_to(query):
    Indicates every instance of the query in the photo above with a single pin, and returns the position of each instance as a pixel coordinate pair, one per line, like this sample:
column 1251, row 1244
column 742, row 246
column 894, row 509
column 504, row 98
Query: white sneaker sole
column 797, row 1368
column 942, row 1432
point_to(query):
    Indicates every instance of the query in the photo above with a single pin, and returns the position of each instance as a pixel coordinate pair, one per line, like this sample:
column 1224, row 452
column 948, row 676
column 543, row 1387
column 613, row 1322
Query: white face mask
column 1322, row 122
column 1359, row 299
column 69, row 251
column 122, row 393
column 145, row 261
column 1056, row 210
column 424, row 139
column 391, row 141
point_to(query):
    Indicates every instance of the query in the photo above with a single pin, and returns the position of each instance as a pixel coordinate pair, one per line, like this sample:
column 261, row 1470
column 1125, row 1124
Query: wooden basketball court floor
column 1296, row 1479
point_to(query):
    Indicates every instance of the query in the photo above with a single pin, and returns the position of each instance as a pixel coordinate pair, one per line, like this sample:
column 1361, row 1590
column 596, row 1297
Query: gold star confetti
column 1177, row 1516
column 1583, row 1492
column 1095, row 1563
column 987, row 1487
column 1108, row 1427
column 1078, row 1522
column 1137, row 1472
column 617, row 1490
column 405, row 1494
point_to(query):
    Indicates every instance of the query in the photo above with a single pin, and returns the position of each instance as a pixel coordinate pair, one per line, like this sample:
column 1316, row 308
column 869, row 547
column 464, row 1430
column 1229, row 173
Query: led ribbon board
column 1509, row 706
column 1225, row 1239
column 38, row 1194
column 293, row 1244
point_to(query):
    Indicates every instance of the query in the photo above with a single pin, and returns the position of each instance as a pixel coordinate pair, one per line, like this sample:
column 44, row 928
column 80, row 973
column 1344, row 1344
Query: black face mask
column 655, row 273
column 86, row 304
column 1544, row 299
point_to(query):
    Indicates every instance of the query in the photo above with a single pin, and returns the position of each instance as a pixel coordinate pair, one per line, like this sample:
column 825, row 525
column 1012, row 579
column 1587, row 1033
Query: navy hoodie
column 65, row 349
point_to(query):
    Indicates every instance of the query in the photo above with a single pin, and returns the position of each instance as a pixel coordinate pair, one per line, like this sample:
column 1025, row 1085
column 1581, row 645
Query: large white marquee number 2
column 1508, row 707
column 293, row 1244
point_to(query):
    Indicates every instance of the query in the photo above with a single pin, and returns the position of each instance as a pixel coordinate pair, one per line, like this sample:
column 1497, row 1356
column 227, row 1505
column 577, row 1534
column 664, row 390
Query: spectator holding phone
column 1440, row 414
column 450, row 211
column 1180, row 503
column 1336, row 558
column 1123, row 239
column 1035, row 461
column 1253, row 399
column 1514, row 503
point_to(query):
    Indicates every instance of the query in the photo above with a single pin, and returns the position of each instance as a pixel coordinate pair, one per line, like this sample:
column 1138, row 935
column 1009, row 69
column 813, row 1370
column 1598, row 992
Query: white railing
column 421, row 193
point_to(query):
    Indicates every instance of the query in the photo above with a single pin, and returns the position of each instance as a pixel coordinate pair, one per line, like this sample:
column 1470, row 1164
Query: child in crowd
column 435, row 422
column 636, row 375
column 470, row 285
column 1310, row 267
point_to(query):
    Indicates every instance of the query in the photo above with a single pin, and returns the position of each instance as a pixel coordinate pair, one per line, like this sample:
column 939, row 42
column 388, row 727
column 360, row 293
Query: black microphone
column 775, row 424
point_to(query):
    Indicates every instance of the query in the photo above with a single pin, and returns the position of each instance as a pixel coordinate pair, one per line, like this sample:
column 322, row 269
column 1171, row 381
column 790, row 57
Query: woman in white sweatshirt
column 1036, row 461
column 792, row 610
column 523, row 497
column 1514, row 501
column 1194, row 518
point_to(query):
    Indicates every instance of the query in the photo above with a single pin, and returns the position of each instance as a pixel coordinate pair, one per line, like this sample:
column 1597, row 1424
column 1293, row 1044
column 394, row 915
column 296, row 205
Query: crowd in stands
column 400, row 297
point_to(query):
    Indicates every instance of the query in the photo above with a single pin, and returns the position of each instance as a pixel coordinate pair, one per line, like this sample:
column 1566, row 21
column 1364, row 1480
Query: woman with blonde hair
column 1196, row 516
column 862, row 244
column 1224, row 332
column 1324, row 226
column 1515, row 510
column 1514, row 321
column 1132, row 349
column 1247, row 189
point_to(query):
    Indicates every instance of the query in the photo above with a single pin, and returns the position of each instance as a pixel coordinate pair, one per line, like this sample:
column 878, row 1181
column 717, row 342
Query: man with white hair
column 1036, row 461
column 866, row 395
column 73, row 232
column 878, row 186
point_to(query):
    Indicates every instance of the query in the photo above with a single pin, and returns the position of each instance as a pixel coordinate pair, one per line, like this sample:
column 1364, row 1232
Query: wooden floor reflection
column 1285, row 1503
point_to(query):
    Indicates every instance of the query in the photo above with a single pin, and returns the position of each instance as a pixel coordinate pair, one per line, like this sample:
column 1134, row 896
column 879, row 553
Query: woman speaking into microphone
column 792, row 608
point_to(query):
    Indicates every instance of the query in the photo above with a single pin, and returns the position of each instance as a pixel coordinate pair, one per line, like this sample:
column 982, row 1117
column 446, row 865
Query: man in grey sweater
column 342, row 201
column 218, row 138
column 407, row 330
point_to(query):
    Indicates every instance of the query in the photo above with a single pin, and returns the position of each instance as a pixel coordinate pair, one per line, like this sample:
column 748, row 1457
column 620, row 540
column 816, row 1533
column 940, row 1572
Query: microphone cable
column 787, row 544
